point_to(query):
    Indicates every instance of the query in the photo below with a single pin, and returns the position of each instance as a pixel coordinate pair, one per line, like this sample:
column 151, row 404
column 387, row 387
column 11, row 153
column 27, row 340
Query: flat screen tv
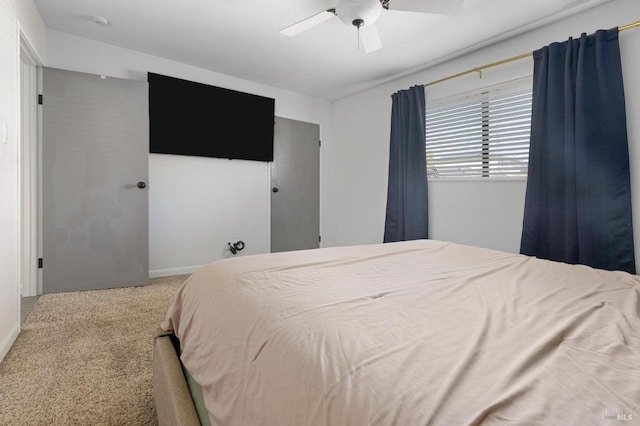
column 189, row 118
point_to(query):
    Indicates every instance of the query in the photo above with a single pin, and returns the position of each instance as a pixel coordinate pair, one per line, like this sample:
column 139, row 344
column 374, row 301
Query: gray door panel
column 295, row 172
column 95, row 151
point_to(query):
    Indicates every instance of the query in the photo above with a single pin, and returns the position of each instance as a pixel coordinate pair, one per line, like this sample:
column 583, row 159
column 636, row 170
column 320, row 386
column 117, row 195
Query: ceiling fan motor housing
column 358, row 12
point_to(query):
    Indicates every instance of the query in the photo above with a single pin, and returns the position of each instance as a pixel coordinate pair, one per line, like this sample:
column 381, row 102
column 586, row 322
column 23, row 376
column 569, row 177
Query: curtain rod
column 505, row 61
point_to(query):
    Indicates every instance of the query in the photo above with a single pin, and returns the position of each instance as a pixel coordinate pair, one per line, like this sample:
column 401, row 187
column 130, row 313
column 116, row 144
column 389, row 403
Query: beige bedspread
column 412, row 333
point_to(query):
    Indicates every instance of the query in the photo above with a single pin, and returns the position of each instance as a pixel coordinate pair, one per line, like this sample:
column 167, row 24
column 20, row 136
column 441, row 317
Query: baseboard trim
column 7, row 342
column 157, row 273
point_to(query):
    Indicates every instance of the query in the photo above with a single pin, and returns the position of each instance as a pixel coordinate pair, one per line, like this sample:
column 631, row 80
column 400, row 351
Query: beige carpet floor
column 85, row 358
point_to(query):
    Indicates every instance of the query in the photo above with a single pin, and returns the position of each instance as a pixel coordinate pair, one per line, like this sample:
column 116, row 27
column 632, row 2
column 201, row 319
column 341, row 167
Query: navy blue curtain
column 578, row 199
column 407, row 198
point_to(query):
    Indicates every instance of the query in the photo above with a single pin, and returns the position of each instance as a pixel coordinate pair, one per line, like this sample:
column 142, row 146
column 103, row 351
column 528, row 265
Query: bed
column 410, row 333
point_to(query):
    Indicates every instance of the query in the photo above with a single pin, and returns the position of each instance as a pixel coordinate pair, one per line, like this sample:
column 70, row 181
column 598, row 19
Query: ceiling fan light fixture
column 362, row 14
column 358, row 13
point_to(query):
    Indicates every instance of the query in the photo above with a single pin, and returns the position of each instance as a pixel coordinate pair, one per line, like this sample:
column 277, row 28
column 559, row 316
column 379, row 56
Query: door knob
column 142, row 185
column 275, row 190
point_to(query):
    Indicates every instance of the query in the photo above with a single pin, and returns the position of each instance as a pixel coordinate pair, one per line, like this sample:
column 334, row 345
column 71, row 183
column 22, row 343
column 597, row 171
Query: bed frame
column 170, row 392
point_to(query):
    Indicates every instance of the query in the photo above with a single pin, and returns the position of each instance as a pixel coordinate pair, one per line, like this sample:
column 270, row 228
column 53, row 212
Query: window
column 480, row 135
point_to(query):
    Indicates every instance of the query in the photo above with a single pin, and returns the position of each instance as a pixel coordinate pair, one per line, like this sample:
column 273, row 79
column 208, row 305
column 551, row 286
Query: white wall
column 487, row 213
column 32, row 28
column 14, row 17
column 196, row 204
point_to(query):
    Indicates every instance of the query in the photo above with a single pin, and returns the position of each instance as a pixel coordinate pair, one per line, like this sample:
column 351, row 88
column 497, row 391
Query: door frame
column 29, row 279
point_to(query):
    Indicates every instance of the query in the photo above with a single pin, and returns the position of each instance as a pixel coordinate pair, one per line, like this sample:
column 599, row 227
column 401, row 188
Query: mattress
column 411, row 333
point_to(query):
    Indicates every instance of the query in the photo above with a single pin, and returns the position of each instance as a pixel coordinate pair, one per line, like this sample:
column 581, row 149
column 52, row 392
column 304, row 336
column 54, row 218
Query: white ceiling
column 241, row 38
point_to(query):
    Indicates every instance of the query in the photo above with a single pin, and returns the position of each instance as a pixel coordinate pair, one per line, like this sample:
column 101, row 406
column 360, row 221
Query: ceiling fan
column 362, row 14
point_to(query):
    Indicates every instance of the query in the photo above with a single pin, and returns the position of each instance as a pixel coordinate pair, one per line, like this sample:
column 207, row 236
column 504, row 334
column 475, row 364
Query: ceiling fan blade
column 308, row 23
column 445, row 7
column 370, row 38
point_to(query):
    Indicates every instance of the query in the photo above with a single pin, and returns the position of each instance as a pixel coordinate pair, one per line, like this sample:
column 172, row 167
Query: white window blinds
column 482, row 134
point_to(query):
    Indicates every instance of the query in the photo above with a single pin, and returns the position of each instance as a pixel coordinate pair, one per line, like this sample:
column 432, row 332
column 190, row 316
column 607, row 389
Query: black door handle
column 142, row 185
column 275, row 190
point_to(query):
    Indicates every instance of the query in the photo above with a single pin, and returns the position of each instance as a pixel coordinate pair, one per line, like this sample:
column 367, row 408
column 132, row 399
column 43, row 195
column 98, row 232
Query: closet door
column 295, row 186
column 94, row 173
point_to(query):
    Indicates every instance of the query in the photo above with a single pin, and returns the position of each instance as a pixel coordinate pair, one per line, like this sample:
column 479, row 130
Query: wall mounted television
column 189, row 118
